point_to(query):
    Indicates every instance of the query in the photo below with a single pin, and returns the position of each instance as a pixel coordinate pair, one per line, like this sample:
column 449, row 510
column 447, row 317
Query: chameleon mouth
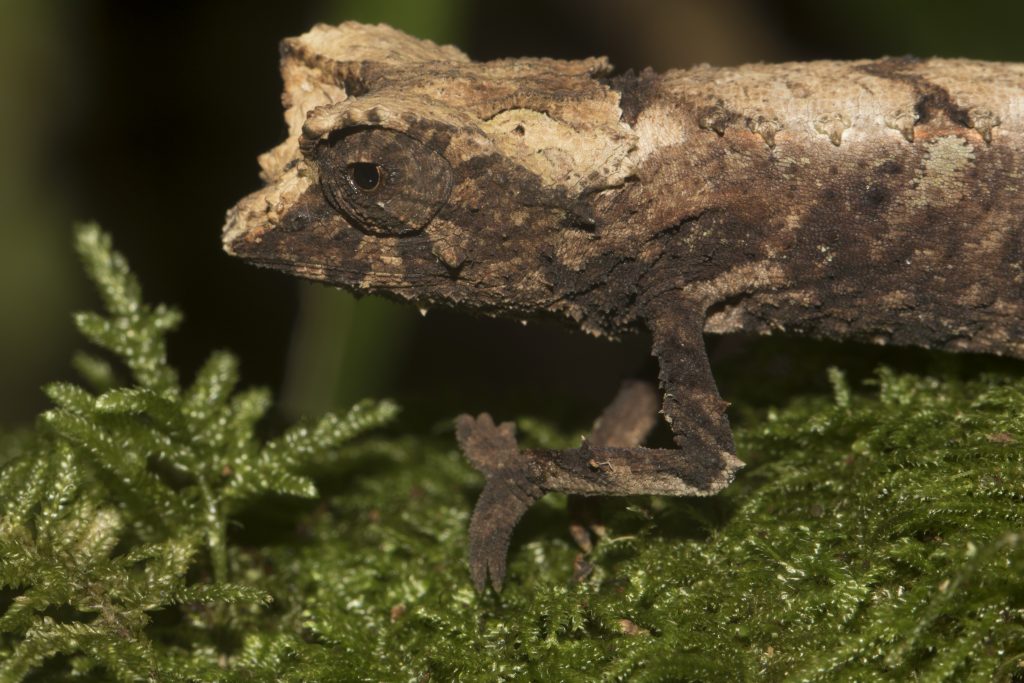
column 353, row 276
column 308, row 271
column 314, row 272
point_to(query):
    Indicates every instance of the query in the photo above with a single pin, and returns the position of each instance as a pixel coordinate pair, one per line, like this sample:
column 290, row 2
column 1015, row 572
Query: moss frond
column 116, row 509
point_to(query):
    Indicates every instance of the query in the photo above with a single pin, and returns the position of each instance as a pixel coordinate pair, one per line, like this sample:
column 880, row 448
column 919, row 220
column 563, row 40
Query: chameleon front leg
column 702, row 466
column 692, row 405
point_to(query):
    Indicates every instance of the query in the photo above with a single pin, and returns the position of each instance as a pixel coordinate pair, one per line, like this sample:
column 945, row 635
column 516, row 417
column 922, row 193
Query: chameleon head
column 414, row 173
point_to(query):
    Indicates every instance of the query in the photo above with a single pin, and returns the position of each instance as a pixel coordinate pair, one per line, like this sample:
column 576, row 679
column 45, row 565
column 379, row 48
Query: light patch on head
column 562, row 154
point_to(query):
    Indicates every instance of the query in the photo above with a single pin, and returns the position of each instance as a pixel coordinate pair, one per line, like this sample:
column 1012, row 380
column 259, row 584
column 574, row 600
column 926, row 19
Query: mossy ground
column 147, row 532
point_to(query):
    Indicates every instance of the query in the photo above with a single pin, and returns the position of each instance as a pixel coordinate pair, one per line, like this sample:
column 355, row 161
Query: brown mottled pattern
column 877, row 200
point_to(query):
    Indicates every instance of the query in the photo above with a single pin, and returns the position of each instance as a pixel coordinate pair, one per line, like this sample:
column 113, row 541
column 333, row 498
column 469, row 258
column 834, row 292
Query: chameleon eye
column 366, row 176
column 397, row 193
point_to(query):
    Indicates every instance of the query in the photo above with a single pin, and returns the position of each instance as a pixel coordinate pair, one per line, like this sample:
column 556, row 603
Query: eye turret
column 385, row 182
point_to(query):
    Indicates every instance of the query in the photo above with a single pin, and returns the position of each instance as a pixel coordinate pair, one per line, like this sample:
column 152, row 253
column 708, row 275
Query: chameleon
column 872, row 200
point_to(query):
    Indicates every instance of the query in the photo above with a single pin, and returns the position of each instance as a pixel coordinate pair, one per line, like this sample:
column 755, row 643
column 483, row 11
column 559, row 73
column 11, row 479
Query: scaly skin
column 871, row 200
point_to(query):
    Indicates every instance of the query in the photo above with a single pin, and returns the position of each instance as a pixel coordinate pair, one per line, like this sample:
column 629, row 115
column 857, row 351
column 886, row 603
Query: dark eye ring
column 366, row 176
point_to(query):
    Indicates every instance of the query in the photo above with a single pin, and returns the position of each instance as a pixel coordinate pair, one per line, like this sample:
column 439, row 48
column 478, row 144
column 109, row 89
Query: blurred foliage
column 36, row 274
column 147, row 533
column 872, row 28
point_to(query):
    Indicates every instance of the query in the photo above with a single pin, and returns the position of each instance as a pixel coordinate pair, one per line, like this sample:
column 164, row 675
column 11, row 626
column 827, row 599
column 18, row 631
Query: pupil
column 366, row 176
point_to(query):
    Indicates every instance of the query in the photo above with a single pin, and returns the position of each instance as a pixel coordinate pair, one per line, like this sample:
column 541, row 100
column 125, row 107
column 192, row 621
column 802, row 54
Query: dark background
column 148, row 118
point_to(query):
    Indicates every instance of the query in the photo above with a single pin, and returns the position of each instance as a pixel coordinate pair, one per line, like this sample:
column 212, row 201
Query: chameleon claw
column 498, row 510
column 507, row 495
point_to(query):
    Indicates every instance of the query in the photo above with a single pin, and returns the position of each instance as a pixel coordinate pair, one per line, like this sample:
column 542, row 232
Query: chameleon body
column 868, row 200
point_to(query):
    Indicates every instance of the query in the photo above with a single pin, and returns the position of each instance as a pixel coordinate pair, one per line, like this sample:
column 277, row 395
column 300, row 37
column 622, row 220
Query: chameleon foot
column 507, row 495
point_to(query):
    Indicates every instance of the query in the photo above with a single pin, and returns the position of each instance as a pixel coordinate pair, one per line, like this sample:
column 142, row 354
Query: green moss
column 147, row 532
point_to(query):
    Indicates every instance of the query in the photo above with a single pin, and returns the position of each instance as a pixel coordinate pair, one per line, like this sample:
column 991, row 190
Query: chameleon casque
column 866, row 200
